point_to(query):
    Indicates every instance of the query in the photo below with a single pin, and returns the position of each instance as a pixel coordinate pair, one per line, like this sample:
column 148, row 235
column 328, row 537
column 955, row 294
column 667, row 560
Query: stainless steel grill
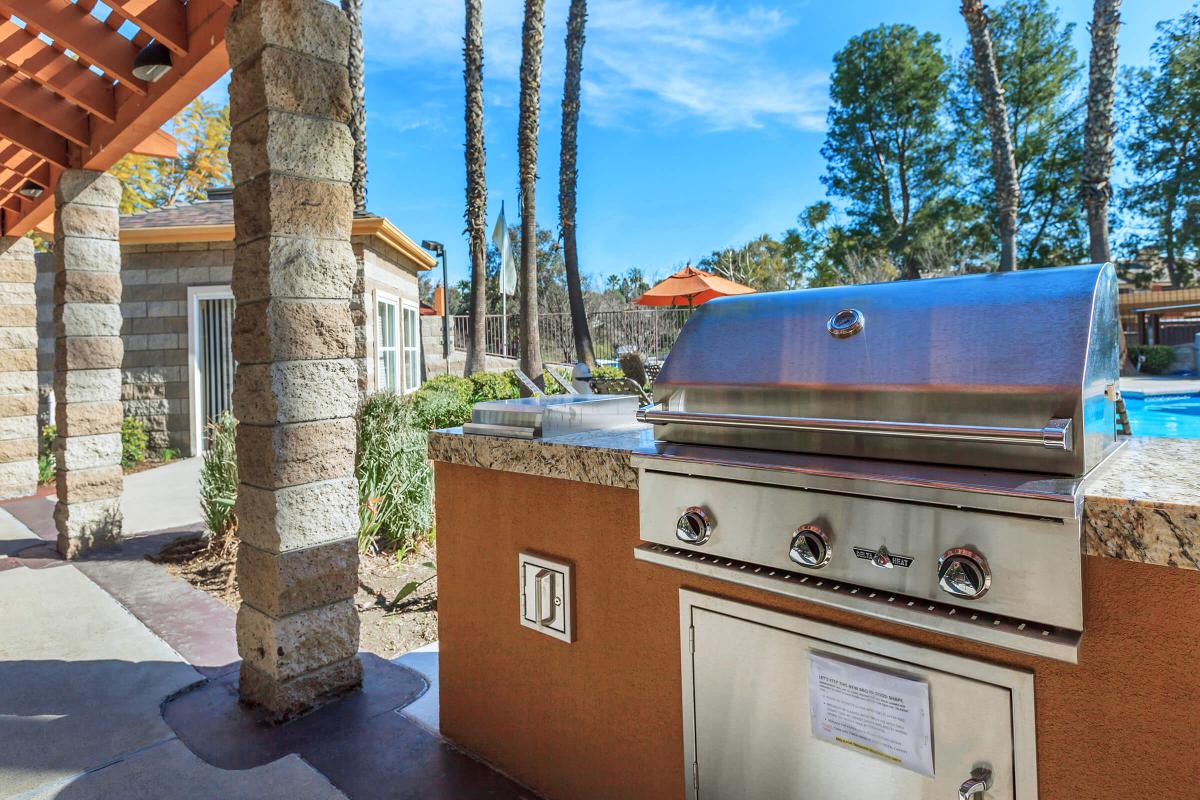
column 921, row 444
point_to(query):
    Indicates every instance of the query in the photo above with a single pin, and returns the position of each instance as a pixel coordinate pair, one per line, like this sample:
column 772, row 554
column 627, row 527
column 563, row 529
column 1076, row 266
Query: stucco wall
column 602, row 717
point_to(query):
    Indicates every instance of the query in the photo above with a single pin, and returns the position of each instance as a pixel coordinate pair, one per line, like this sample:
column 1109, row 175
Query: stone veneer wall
column 87, row 362
column 296, row 386
column 18, row 362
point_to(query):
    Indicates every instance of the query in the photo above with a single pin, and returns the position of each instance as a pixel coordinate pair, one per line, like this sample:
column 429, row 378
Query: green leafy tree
column 202, row 130
column 1039, row 71
column 1161, row 116
column 763, row 263
column 628, row 286
column 889, row 151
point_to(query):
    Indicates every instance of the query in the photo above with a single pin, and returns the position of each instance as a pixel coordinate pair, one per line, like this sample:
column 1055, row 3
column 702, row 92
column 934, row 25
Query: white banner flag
column 508, row 267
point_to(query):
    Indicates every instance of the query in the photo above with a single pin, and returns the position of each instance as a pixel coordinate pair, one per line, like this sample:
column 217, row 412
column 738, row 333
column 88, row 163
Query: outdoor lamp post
column 439, row 250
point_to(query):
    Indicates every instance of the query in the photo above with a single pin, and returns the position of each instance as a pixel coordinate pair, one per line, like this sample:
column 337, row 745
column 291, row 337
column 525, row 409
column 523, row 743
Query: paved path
column 82, row 683
column 1150, row 385
column 94, row 656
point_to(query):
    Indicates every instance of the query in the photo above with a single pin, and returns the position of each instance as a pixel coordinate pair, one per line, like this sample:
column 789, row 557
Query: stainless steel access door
column 748, row 731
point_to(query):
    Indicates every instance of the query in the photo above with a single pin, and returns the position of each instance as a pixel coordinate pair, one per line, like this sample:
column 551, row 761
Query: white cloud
column 646, row 62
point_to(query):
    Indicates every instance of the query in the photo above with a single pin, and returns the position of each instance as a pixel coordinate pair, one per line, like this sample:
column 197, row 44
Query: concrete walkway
column 82, row 683
column 117, row 680
column 1152, row 385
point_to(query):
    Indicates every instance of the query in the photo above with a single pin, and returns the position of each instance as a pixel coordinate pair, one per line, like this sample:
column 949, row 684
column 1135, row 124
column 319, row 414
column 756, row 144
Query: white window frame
column 195, row 380
column 411, row 350
column 382, row 298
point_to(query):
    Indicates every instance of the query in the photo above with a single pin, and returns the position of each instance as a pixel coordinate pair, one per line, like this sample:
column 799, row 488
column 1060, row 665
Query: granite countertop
column 1143, row 504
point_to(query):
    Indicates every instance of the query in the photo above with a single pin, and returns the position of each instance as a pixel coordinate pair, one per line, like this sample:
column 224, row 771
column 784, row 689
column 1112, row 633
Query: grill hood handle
column 1054, row 435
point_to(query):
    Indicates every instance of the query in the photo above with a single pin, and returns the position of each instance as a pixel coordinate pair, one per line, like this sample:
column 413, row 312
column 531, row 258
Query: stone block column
column 18, row 369
column 87, row 361
column 295, row 391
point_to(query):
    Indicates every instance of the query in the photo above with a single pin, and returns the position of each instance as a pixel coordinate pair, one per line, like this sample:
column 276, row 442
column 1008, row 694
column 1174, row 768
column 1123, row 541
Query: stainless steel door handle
column 974, row 787
column 543, row 603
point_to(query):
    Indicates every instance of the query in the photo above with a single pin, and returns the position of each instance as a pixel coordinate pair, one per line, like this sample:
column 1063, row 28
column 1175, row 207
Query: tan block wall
column 602, row 718
column 154, row 306
column 154, row 372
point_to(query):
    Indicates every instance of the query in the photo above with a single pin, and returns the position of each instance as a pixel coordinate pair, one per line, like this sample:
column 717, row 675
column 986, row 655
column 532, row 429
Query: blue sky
column 702, row 123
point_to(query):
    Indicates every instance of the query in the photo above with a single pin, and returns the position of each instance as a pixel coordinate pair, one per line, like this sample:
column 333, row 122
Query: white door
column 210, row 357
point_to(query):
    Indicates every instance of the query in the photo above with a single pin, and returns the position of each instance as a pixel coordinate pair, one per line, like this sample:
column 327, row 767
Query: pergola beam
column 165, row 20
column 74, row 28
column 43, row 106
column 36, row 60
column 41, row 141
column 137, row 116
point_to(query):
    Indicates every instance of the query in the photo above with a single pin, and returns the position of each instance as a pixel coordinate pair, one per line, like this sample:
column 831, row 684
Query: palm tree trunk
column 527, row 145
column 358, row 104
column 1098, row 129
column 995, row 112
column 476, row 185
column 568, row 177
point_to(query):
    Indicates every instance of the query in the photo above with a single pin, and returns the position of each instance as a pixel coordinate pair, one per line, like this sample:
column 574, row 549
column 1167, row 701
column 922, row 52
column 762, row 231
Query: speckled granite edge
column 1142, row 505
column 601, row 458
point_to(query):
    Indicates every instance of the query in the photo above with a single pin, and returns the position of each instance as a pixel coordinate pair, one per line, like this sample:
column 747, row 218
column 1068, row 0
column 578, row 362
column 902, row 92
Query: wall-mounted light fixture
column 31, row 189
column 152, row 62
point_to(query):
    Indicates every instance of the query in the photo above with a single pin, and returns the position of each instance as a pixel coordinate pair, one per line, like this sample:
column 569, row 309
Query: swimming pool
column 1173, row 415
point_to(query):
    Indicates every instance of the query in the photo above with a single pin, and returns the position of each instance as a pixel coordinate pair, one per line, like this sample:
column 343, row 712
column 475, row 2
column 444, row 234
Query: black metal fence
column 651, row 331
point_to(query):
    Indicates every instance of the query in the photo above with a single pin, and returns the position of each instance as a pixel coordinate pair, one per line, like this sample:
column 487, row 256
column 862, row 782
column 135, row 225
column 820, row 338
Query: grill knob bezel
column 974, row 563
column 694, row 526
column 814, row 535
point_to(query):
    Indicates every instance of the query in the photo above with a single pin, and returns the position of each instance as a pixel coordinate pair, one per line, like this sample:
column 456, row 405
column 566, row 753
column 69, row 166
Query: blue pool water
column 1175, row 415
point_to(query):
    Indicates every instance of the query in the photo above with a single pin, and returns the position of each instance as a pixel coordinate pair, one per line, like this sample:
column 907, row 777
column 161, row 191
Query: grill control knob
column 964, row 573
column 694, row 526
column 810, row 547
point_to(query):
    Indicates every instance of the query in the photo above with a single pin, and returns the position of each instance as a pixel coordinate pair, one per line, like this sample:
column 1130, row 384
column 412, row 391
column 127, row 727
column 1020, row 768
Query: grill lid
column 1012, row 371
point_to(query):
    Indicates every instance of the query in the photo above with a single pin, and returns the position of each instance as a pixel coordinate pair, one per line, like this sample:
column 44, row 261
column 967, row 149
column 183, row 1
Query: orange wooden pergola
column 69, row 97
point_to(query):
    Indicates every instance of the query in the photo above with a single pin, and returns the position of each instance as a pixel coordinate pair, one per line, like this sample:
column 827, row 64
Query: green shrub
column 168, row 454
column 494, row 386
column 610, row 373
column 1155, row 359
column 439, row 407
column 133, row 441
column 219, row 476
column 46, row 462
column 463, row 387
column 395, row 480
column 47, row 467
column 550, row 386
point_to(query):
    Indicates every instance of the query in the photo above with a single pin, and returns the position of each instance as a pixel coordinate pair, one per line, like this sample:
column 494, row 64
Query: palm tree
column 476, row 184
column 568, row 177
column 358, row 107
column 995, row 113
column 527, row 143
column 1098, row 128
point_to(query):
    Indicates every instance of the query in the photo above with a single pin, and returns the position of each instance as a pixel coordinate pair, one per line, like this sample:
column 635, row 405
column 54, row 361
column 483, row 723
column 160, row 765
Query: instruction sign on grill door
column 872, row 711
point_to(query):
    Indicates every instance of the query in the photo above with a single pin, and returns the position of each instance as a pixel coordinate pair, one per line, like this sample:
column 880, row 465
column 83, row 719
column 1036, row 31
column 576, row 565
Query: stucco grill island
column 853, row 557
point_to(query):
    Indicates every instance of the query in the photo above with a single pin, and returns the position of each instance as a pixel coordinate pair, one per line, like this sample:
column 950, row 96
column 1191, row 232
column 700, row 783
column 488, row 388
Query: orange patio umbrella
column 690, row 287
